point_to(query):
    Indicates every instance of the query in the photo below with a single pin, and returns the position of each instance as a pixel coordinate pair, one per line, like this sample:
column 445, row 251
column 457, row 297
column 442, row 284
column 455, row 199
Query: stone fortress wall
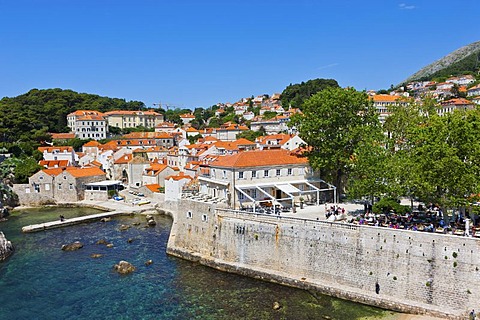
column 413, row 271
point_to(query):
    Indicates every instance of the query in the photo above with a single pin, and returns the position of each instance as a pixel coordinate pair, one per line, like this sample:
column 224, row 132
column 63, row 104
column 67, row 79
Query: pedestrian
column 62, row 218
column 472, row 315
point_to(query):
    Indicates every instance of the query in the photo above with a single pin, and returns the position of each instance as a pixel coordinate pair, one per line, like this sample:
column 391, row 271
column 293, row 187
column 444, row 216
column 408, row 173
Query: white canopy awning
column 288, row 188
column 223, row 183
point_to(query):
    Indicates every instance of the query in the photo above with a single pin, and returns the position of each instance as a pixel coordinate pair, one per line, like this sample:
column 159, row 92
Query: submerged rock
column 102, row 241
column 106, row 219
column 151, row 222
column 96, row 255
column 124, row 227
column 276, row 305
column 130, row 240
column 72, row 246
column 110, row 245
column 148, row 262
column 124, row 267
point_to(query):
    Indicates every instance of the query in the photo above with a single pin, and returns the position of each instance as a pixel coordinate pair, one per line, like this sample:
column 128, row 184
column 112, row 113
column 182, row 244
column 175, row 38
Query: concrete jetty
column 71, row 221
column 117, row 209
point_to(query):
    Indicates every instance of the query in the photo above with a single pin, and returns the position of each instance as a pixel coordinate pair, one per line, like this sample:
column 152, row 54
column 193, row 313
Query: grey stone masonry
column 407, row 271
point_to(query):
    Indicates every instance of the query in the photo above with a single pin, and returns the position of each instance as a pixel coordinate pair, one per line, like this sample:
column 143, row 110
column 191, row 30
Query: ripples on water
column 40, row 281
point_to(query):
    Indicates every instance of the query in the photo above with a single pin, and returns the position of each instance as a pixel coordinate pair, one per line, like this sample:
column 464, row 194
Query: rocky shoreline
column 6, row 247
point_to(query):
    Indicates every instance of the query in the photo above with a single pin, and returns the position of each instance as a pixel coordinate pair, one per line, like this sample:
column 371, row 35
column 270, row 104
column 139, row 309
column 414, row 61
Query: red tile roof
column 153, row 187
column 59, row 149
column 60, row 136
column 259, row 158
column 85, row 172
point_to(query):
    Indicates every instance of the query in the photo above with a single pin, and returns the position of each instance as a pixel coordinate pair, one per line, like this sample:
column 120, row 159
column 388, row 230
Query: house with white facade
column 59, row 153
column 187, row 117
column 131, row 119
column 88, row 124
column 383, row 103
column 282, row 140
column 174, row 185
column 474, row 91
column 261, row 177
column 272, row 126
column 455, row 104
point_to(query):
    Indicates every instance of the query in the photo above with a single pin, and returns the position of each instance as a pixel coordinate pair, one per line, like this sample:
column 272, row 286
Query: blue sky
column 198, row 53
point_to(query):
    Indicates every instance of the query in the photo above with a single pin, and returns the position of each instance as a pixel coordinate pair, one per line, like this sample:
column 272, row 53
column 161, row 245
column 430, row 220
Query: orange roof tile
column 132, row 113
column 179, row 176
column 85, row 172
column 153, row 187
column 259, row 158
column 59, row 136
column 53, row 163
column 53, row 171
column 124, row 159
column 384, row 98
column 148, row 135
column 92, row 143
column 51, row 149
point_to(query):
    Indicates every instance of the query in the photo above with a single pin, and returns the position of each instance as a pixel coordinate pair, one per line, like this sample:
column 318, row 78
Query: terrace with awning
column 282, row 194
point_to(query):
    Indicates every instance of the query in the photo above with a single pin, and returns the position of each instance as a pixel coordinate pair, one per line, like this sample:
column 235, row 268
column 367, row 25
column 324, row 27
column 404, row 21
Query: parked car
column 117, row 198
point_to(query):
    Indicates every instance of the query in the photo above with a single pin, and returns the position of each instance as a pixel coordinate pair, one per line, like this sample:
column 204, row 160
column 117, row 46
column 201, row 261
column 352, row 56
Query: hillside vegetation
column 30, row 115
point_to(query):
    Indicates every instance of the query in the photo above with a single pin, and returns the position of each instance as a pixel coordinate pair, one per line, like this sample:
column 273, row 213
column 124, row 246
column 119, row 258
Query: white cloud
column 328, row 66
column 404, row 6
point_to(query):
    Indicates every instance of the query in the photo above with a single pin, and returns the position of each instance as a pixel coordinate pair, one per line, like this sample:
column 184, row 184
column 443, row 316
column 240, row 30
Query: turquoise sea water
column 40, row 281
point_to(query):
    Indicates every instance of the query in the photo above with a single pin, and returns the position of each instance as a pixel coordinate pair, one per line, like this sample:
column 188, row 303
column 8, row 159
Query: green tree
column 249, row 135
column 333, row 123
column 296, row 94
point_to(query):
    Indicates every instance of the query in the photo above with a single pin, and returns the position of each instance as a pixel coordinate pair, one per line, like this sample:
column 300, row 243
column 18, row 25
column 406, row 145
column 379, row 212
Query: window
column 70, row 187
column 40, row 178
column 278, row 172
column 265, row 173
column 47, row 187
column 189, row 214
column 254, row 194
column 59, row 186
column 289, row 171
column 240, row 175
column 204, row 218
column 224, row 174
column 254, row 174
column 64, row 177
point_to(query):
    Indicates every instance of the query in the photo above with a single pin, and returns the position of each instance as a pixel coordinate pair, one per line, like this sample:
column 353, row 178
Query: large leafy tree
column 334, row 123
column 445, row 158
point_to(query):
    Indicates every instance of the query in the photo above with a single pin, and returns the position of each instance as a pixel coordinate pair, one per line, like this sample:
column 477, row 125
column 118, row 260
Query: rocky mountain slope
column 464, row 59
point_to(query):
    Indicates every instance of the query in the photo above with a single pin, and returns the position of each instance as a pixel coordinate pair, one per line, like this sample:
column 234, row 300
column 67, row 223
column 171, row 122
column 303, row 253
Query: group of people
column 431, row 220
column 334, row 210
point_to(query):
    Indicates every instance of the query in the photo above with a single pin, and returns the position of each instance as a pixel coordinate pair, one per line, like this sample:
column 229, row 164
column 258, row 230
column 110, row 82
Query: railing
column 277, row 218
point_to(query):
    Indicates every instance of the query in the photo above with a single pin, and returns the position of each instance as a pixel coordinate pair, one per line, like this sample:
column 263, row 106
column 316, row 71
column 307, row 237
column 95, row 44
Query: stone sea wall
column 6, row 247
column 400, row 270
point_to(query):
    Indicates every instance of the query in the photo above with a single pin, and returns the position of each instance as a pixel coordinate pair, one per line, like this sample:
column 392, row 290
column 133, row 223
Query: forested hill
column 29, row 115
column 465, row 60
column 295, row 94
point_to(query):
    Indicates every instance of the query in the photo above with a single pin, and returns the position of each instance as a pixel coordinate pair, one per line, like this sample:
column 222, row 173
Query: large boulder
column 72, row 246
column 124, row 267
column 6, row 247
